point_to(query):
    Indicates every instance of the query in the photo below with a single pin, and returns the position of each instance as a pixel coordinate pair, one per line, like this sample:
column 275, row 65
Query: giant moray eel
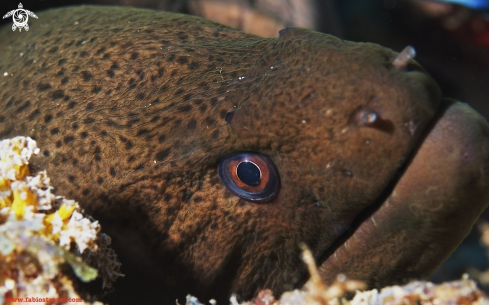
column 209, row 154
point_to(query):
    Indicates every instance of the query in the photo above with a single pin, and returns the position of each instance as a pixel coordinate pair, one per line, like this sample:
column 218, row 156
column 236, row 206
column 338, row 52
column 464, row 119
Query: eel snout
column 431, row 209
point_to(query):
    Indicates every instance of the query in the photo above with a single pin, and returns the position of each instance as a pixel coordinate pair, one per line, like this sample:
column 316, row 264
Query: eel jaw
column 431, row 209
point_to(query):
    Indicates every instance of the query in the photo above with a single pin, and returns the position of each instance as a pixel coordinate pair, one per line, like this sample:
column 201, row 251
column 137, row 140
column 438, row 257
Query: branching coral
column 38, row 230
column 315, row 292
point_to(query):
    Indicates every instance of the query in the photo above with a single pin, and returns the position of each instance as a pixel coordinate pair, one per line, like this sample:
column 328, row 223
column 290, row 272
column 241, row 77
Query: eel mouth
column 425, row 214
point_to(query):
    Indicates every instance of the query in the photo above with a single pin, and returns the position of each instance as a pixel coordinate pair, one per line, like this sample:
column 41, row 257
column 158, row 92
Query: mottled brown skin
column 129, row 106
column 433, row 205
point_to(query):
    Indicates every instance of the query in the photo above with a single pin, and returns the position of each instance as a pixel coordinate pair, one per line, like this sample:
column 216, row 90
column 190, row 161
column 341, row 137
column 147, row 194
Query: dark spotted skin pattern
column 128, row 107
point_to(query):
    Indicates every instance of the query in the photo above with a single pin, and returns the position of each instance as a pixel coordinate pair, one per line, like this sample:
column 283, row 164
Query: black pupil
column 249, row 173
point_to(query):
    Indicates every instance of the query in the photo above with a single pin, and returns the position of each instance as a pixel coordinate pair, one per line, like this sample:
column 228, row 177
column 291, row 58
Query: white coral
column 27, row 232
column 40, row 185
column 81, row 230
column 14, row 153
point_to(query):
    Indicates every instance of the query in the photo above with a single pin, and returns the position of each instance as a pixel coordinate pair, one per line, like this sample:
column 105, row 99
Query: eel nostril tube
column 402, row 59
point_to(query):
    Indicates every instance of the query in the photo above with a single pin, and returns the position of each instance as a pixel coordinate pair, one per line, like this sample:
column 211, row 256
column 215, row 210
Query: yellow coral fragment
column 64, row 212
column 5, row 193
column 22, row 198
column 21, row 171
column 19, row 144
column 58, row 220
column 4, row 183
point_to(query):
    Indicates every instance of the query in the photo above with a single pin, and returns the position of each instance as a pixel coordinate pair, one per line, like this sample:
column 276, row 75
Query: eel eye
column 250, row 176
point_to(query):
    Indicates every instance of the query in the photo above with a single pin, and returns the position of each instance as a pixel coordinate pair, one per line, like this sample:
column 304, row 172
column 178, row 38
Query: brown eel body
column 134, row 109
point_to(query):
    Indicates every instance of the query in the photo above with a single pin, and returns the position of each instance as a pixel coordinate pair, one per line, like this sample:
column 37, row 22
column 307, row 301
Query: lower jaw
column 423, row 217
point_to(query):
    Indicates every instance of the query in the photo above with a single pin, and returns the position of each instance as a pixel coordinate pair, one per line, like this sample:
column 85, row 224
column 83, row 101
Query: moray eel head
column 209, row 154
